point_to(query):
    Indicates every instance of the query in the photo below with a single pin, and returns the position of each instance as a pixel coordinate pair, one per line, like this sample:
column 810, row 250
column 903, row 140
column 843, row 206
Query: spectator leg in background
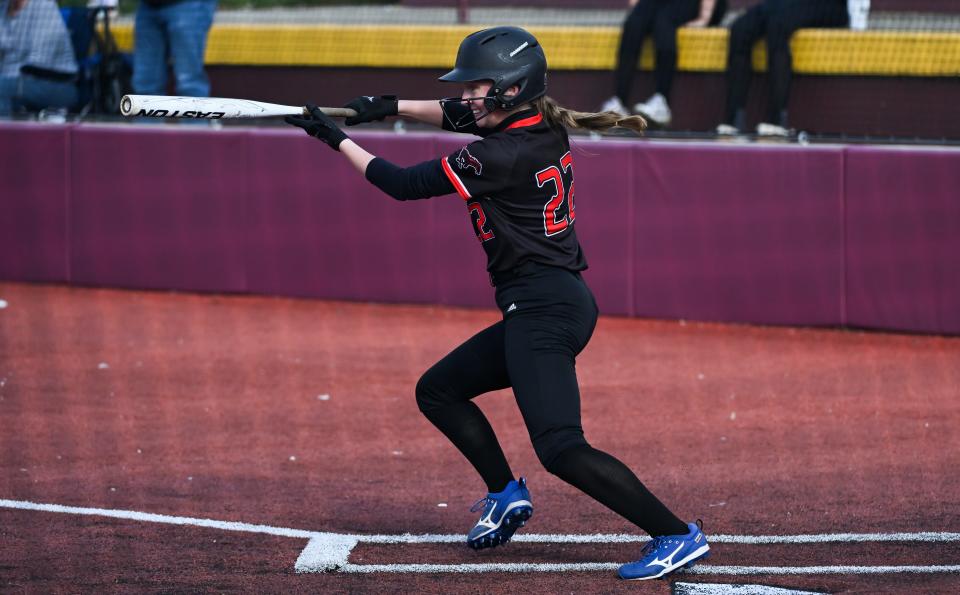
column 719, row 11
column 666, row 23
column 38, row 94
column 745, row 31
column 149, row 51
column 639, row 25
column 188, row 25
column 784, row 22
column 9, row 88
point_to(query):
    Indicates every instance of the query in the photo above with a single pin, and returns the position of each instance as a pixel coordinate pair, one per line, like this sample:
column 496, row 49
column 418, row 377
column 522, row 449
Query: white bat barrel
column 211, row 108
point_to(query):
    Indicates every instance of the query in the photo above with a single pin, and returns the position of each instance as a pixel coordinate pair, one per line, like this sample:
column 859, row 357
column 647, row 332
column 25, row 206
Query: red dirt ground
column 203, row 400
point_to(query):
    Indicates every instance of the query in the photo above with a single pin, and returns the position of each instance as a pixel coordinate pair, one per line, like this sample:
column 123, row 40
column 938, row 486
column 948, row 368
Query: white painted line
column 325, row 552
column 702, row 569
column 160, row 518
column 926, row 536
column 634, row 538
column 464, row 568
column 329, row 551
column 938, row 537
column 780, row 570
column 728, row 589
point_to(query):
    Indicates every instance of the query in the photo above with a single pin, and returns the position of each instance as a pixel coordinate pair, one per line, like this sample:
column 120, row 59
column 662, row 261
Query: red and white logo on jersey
column 465, row 161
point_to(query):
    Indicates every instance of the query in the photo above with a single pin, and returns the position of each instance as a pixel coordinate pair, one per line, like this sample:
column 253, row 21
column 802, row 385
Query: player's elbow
column 385, row 176
column 410, row 183
column 397, row 194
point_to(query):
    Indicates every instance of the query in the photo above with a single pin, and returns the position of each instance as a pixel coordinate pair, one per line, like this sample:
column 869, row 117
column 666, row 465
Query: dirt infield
column 299, row 415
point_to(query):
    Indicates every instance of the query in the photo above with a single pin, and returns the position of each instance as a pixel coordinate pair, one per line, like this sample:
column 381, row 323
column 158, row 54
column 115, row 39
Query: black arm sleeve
column 409, row 183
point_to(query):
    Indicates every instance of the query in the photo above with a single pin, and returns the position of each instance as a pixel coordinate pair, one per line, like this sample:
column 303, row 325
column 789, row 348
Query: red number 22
column 554, row 220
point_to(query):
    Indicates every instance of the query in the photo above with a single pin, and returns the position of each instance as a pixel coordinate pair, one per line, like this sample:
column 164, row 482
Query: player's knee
column 430, row 393
column 425, row 393
column 551, row 446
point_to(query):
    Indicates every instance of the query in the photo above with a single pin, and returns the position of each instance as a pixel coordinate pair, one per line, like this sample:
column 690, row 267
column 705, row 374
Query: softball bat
column 213, row 108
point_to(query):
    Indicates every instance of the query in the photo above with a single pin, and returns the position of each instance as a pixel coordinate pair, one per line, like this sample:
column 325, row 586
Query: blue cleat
column 503, row 513
column 666, row 554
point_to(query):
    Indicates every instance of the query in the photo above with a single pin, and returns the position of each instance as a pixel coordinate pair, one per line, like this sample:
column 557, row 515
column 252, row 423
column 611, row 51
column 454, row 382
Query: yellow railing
column 816, row 51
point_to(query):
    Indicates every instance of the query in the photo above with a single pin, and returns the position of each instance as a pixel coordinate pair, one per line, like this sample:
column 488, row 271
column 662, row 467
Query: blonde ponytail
column 558, row 116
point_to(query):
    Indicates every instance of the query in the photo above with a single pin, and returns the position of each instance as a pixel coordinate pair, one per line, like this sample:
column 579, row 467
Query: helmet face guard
column 507, row 56
column 489, row 106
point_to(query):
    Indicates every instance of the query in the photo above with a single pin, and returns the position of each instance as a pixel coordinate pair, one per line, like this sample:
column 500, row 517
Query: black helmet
column 506, row 55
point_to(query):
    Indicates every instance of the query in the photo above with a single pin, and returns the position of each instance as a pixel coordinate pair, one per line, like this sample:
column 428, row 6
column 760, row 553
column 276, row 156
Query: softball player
column 518, row 186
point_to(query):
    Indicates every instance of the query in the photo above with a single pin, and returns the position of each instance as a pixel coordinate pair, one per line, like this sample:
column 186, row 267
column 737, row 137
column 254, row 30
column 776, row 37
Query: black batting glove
column 372, row 109
column 319, row 125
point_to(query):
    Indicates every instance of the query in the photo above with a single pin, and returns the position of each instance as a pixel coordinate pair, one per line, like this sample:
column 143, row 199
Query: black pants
column 778, row 20
column 661, row 18
column 533, row 350
column 548, row 316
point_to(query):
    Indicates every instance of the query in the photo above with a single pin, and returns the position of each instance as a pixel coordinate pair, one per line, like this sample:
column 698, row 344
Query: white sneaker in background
column 727, row 130
column 614, row 105
column 859, row 14
column 655, row 109
column 765, row 129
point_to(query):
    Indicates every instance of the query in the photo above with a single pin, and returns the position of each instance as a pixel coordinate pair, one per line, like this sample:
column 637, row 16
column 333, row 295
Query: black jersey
column 517, row 182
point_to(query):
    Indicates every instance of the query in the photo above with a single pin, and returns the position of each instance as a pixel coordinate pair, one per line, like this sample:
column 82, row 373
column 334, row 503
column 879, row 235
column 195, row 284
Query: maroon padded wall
column 158, row 208
column 34, row 203
column 903, row 239
column 745, row 233
column 816, row 235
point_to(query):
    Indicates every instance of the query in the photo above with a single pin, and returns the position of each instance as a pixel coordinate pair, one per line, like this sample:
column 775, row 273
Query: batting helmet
column 507, row 56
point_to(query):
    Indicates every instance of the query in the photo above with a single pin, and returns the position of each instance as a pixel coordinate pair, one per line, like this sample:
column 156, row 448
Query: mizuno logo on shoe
column 486, row 519
column 487, row 522
column 668, row 561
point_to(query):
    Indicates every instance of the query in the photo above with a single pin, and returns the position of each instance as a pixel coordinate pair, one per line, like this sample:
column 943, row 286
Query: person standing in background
column 778, row 20
column 38, row 69
column 174, row 29
column 661, row 18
